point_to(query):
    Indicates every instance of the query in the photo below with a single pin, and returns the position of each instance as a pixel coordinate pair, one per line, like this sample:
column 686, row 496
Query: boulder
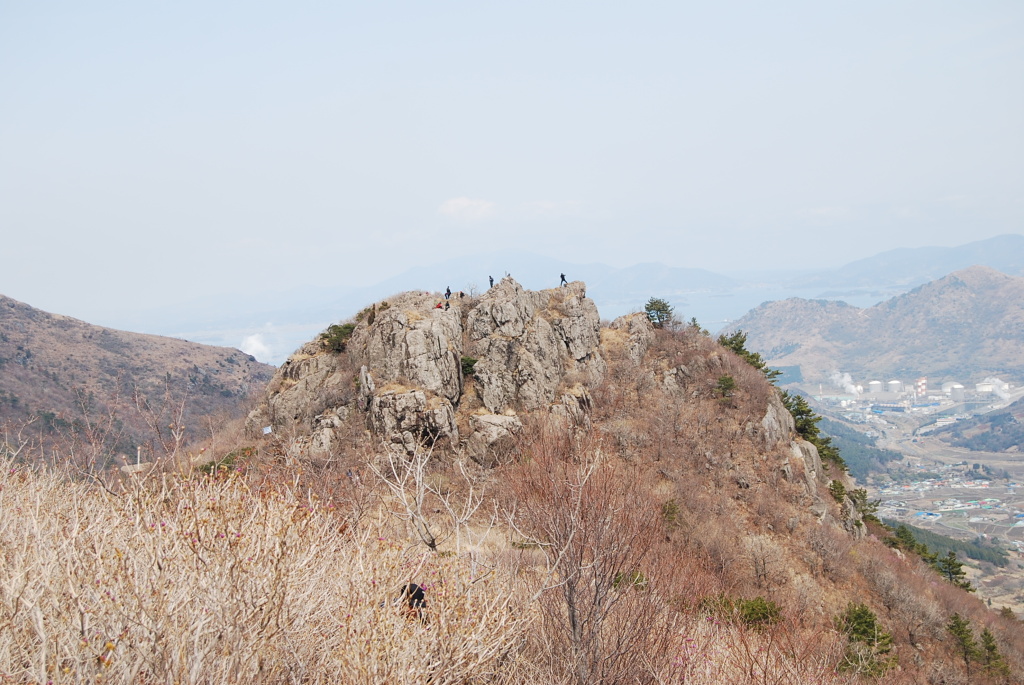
column 488, row 429
column 776, row 426
column 410, row 418
column 806, row 464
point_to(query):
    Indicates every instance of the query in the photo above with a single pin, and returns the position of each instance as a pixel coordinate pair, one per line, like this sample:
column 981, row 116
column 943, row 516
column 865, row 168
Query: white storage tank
column 957, row 393
column 875, row 386
column 895, row 386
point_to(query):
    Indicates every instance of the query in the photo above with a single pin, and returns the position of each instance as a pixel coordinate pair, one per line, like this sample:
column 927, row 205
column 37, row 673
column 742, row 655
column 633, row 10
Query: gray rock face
column 531, row 347
column 639, row 334
column 527, row 342
column 413, row 342
column 806, row 464
column 411, row 418
column 777, row 425
column 305, row 386
column 853, row 521
column 322, row 441
column 575, row 407
column 487, row 430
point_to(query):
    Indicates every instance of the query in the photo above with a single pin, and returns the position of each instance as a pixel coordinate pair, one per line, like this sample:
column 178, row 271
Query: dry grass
column 206, row 581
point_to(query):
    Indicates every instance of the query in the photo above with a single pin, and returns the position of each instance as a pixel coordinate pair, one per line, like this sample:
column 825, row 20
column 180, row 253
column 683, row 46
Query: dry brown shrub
column 830, row 547
column 207, row 581
column 603, row 595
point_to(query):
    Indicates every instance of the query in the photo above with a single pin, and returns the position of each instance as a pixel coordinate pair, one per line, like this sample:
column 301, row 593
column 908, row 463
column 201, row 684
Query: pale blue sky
column 151, row 153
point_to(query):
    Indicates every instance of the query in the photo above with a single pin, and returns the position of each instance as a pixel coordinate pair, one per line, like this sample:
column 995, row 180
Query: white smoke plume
column 844, row 381
column 998, row 387
column 254, row 345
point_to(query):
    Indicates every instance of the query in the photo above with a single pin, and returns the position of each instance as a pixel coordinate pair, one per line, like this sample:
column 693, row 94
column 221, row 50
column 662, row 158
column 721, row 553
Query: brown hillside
column 503, row 491
column 64, row 374
column 969, row 324
column 561, row 452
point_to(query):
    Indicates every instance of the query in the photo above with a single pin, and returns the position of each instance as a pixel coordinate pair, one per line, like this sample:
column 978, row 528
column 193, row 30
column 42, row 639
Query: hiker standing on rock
column 447, row 292
column 564, row 282
column 492, row 280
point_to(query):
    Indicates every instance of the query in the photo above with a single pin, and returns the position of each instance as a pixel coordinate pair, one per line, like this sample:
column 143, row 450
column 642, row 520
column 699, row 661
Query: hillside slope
column 501, row 491
column 599, row 448
column 967, row 325
column 63, row 374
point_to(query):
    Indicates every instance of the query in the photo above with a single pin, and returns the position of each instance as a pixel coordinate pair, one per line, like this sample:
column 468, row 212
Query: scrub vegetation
column 659, row 541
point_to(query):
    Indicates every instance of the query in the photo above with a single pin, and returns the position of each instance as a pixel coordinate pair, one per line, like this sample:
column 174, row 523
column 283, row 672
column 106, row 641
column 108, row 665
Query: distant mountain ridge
column 967, row 325
column 284, row 319
column 55, row 369
column 915, row 266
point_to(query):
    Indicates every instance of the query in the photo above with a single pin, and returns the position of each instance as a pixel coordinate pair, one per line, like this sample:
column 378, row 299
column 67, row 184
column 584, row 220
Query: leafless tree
column 595, row 531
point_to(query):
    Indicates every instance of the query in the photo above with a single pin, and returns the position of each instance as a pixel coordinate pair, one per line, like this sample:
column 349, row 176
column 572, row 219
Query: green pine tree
column 963, row 640
column 737, row 342
column 868, row 644
column 660, row 312
column 953, row 570
column 991, row 659
column 807, row 428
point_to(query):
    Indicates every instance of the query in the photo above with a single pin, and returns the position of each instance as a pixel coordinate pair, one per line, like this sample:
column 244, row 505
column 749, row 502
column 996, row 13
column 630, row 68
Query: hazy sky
column 153, row 152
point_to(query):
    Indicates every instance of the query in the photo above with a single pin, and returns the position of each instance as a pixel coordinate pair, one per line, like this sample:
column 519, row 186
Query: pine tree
column 868, row 644
column 953, row 570
column 737, row 342
column 964, row 642
column 660, row 312
column 807, row 427
column 990, row 656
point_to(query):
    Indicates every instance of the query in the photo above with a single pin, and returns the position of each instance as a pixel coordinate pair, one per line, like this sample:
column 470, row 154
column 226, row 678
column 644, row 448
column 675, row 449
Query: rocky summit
column 412, row 371
column 409, row 361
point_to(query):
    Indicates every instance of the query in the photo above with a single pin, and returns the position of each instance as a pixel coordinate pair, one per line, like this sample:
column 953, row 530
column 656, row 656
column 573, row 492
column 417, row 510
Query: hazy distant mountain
column 909, row 267
column 966, row 326
column 282, row 320
column 615, row 291
column 55, row 370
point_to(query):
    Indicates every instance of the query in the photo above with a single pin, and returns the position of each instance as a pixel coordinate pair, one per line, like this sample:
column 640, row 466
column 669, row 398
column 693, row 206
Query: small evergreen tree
column 337, row 335
column 838, row 491
column 868, row 644
column 866, row 507
column 737, row 342
column 726, row 384
column 660, row 312
column 953, row 570
column 807, row 428
column 963, row 640
column 991, row 659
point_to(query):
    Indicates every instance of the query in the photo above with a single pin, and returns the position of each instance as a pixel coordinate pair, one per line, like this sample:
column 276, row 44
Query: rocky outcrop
column 413, row 342
column 412, row 418
column 533, row 351
column 575, row 407
column 632, row 334
column 804, row 465
column 777, row 425
column 528, row 342
column 323, row 440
